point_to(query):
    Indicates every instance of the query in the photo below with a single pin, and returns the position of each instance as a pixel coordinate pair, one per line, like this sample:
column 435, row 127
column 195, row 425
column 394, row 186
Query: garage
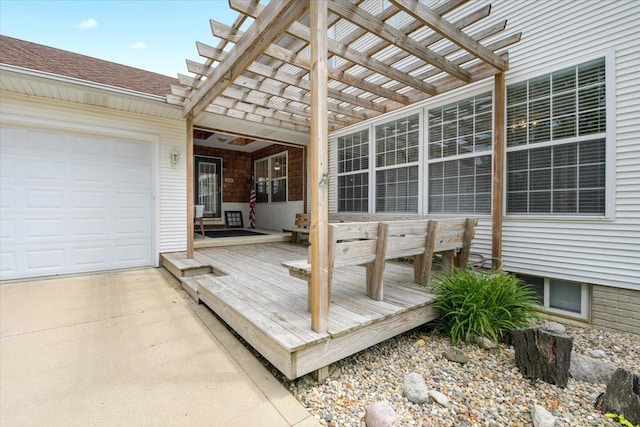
column 73, row 202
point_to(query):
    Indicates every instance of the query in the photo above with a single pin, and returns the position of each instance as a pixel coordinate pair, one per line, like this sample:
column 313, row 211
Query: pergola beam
column 292, row 80
column 223, row 31
column 335, row 48
column 272, row 23
column 370, row 22
column 434, row 21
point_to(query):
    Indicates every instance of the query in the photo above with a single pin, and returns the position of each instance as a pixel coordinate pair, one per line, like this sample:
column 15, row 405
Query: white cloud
column 86, row 24
column 138, row 45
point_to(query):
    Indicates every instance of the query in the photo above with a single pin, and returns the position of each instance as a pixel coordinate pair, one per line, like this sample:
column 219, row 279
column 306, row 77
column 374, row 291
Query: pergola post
column 318, row 163
column 498, row 169
column 190, row 181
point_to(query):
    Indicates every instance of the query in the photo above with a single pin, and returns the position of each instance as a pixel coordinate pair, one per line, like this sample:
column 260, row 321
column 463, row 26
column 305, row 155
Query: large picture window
column 353, row 175
column 556, row 143
column 460, row 136
column 397, row 165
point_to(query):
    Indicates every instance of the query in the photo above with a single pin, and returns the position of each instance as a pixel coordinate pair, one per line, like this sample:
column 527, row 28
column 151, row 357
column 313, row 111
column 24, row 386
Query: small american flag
column 252, row 205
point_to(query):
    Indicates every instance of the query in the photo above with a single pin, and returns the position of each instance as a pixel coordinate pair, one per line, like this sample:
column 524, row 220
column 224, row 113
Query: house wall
column 599, row 251
column 616, row 309
column 169, row 228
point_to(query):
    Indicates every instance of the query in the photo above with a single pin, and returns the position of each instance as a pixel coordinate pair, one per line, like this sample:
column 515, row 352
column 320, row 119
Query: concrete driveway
column 128, row 348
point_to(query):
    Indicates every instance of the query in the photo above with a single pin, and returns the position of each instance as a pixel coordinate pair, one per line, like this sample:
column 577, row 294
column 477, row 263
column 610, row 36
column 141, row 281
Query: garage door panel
column 93, row 257
column 51, row 200
column 38, row 230
column 90, row 229
column 88, row 201
column 44, row 142
column 90, row 148
column 125, row 152
column 45, row 260
column 128, row 255
column 72, row 203
column 90, row 174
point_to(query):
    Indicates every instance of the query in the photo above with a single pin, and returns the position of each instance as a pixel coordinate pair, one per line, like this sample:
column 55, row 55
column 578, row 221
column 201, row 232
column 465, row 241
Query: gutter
column 81, row 82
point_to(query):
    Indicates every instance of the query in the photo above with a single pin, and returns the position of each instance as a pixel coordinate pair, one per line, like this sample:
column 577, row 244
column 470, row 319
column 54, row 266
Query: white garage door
column 72, row 203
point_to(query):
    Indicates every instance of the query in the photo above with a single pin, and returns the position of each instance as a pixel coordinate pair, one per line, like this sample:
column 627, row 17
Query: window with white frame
column 460, row 141
column 556, row 142
column 560, row 296
column 353, row 172
column 397, row 145
column 271, row 178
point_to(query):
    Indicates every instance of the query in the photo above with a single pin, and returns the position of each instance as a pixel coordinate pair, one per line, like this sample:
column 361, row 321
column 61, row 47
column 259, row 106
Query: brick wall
column 296, row 167
column 616, row 309
column 236, row 165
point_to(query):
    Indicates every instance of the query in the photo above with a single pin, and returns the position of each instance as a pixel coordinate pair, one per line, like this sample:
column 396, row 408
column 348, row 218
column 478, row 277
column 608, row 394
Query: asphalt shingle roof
column 33, row 56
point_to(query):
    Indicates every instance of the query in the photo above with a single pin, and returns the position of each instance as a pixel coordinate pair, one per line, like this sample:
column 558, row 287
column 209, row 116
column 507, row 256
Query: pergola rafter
column 286, row 73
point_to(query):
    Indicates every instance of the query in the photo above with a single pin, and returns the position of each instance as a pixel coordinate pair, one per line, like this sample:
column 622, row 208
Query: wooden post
column 318, row 163
column 190, row 183
column 498, row 169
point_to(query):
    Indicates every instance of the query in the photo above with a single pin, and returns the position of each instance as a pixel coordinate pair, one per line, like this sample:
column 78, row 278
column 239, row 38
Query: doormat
column 232, row 233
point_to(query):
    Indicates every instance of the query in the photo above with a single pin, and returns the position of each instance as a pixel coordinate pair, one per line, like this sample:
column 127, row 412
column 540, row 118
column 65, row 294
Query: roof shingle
column 33, row 56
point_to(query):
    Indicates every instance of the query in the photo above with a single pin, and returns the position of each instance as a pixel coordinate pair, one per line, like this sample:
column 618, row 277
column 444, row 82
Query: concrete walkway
column 128, row 348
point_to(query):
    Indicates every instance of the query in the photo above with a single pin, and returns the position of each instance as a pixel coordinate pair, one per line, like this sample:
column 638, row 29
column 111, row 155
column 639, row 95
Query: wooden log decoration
column 543, row 354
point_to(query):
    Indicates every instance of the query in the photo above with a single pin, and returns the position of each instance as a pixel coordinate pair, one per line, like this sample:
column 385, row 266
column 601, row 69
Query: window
column 397, row 165
column 271, row 178
column 556, row 142
column 460, row 135
column 560, row 296
column 353, row 175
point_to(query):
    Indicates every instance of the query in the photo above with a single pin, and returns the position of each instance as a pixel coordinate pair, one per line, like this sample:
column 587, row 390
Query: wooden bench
column 350, row 244
column 303, row 220
column 371, row 244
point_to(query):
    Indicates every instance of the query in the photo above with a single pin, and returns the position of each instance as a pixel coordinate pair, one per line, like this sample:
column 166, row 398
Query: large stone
column 456, row 355
column 542, row 354
column 542, row 417
column 438, row 397
column 380, row 414
column 623, row 396
column 589, row 369
column 415, row 388
column 555, row 328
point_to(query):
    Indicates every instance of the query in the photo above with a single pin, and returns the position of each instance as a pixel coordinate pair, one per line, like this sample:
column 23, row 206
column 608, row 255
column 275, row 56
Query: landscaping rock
column 585, row 368
column 484, row 342
column 380, row 414
column 415, row 388
column 456, row 355
column 623, row 396
column 542, row 417
column 597, row 354
column 555, row 328
column 439, row 398
column 542, row 354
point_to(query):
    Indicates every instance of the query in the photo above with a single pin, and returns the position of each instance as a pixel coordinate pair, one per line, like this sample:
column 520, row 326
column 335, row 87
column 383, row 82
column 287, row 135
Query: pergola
column 286, row 71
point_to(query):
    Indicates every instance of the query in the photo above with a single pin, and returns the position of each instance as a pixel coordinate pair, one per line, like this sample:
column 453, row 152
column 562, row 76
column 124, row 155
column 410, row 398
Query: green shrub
column 487, row 304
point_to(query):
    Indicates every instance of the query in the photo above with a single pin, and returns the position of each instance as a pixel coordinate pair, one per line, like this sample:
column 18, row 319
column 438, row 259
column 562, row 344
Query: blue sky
column 153, row 35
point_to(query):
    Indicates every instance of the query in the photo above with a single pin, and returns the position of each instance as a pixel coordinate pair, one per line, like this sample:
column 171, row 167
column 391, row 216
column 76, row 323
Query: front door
column 208, row 185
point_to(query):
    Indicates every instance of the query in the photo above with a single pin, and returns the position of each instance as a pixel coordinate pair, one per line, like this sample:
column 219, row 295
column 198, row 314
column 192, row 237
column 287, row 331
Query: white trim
column 584, row 301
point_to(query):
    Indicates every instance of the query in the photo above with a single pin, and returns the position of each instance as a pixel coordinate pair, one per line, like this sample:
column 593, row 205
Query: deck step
column 191, row 286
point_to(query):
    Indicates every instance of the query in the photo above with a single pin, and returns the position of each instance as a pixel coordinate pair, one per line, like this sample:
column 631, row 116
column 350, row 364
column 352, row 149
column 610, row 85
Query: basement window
column 560, row 296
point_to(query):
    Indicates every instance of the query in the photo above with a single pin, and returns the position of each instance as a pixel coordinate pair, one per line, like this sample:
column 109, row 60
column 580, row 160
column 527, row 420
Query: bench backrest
column 409, row 238
column 352, row 243
column 303, row 220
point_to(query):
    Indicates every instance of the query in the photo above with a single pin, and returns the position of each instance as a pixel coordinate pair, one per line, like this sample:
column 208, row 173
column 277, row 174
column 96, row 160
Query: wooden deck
column 247, row 286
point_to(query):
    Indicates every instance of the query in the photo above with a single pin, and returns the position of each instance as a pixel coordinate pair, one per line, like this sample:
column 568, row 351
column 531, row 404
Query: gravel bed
column 487, row 391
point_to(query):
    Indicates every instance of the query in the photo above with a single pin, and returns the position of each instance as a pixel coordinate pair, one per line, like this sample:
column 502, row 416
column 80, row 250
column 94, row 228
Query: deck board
column 256, row 296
